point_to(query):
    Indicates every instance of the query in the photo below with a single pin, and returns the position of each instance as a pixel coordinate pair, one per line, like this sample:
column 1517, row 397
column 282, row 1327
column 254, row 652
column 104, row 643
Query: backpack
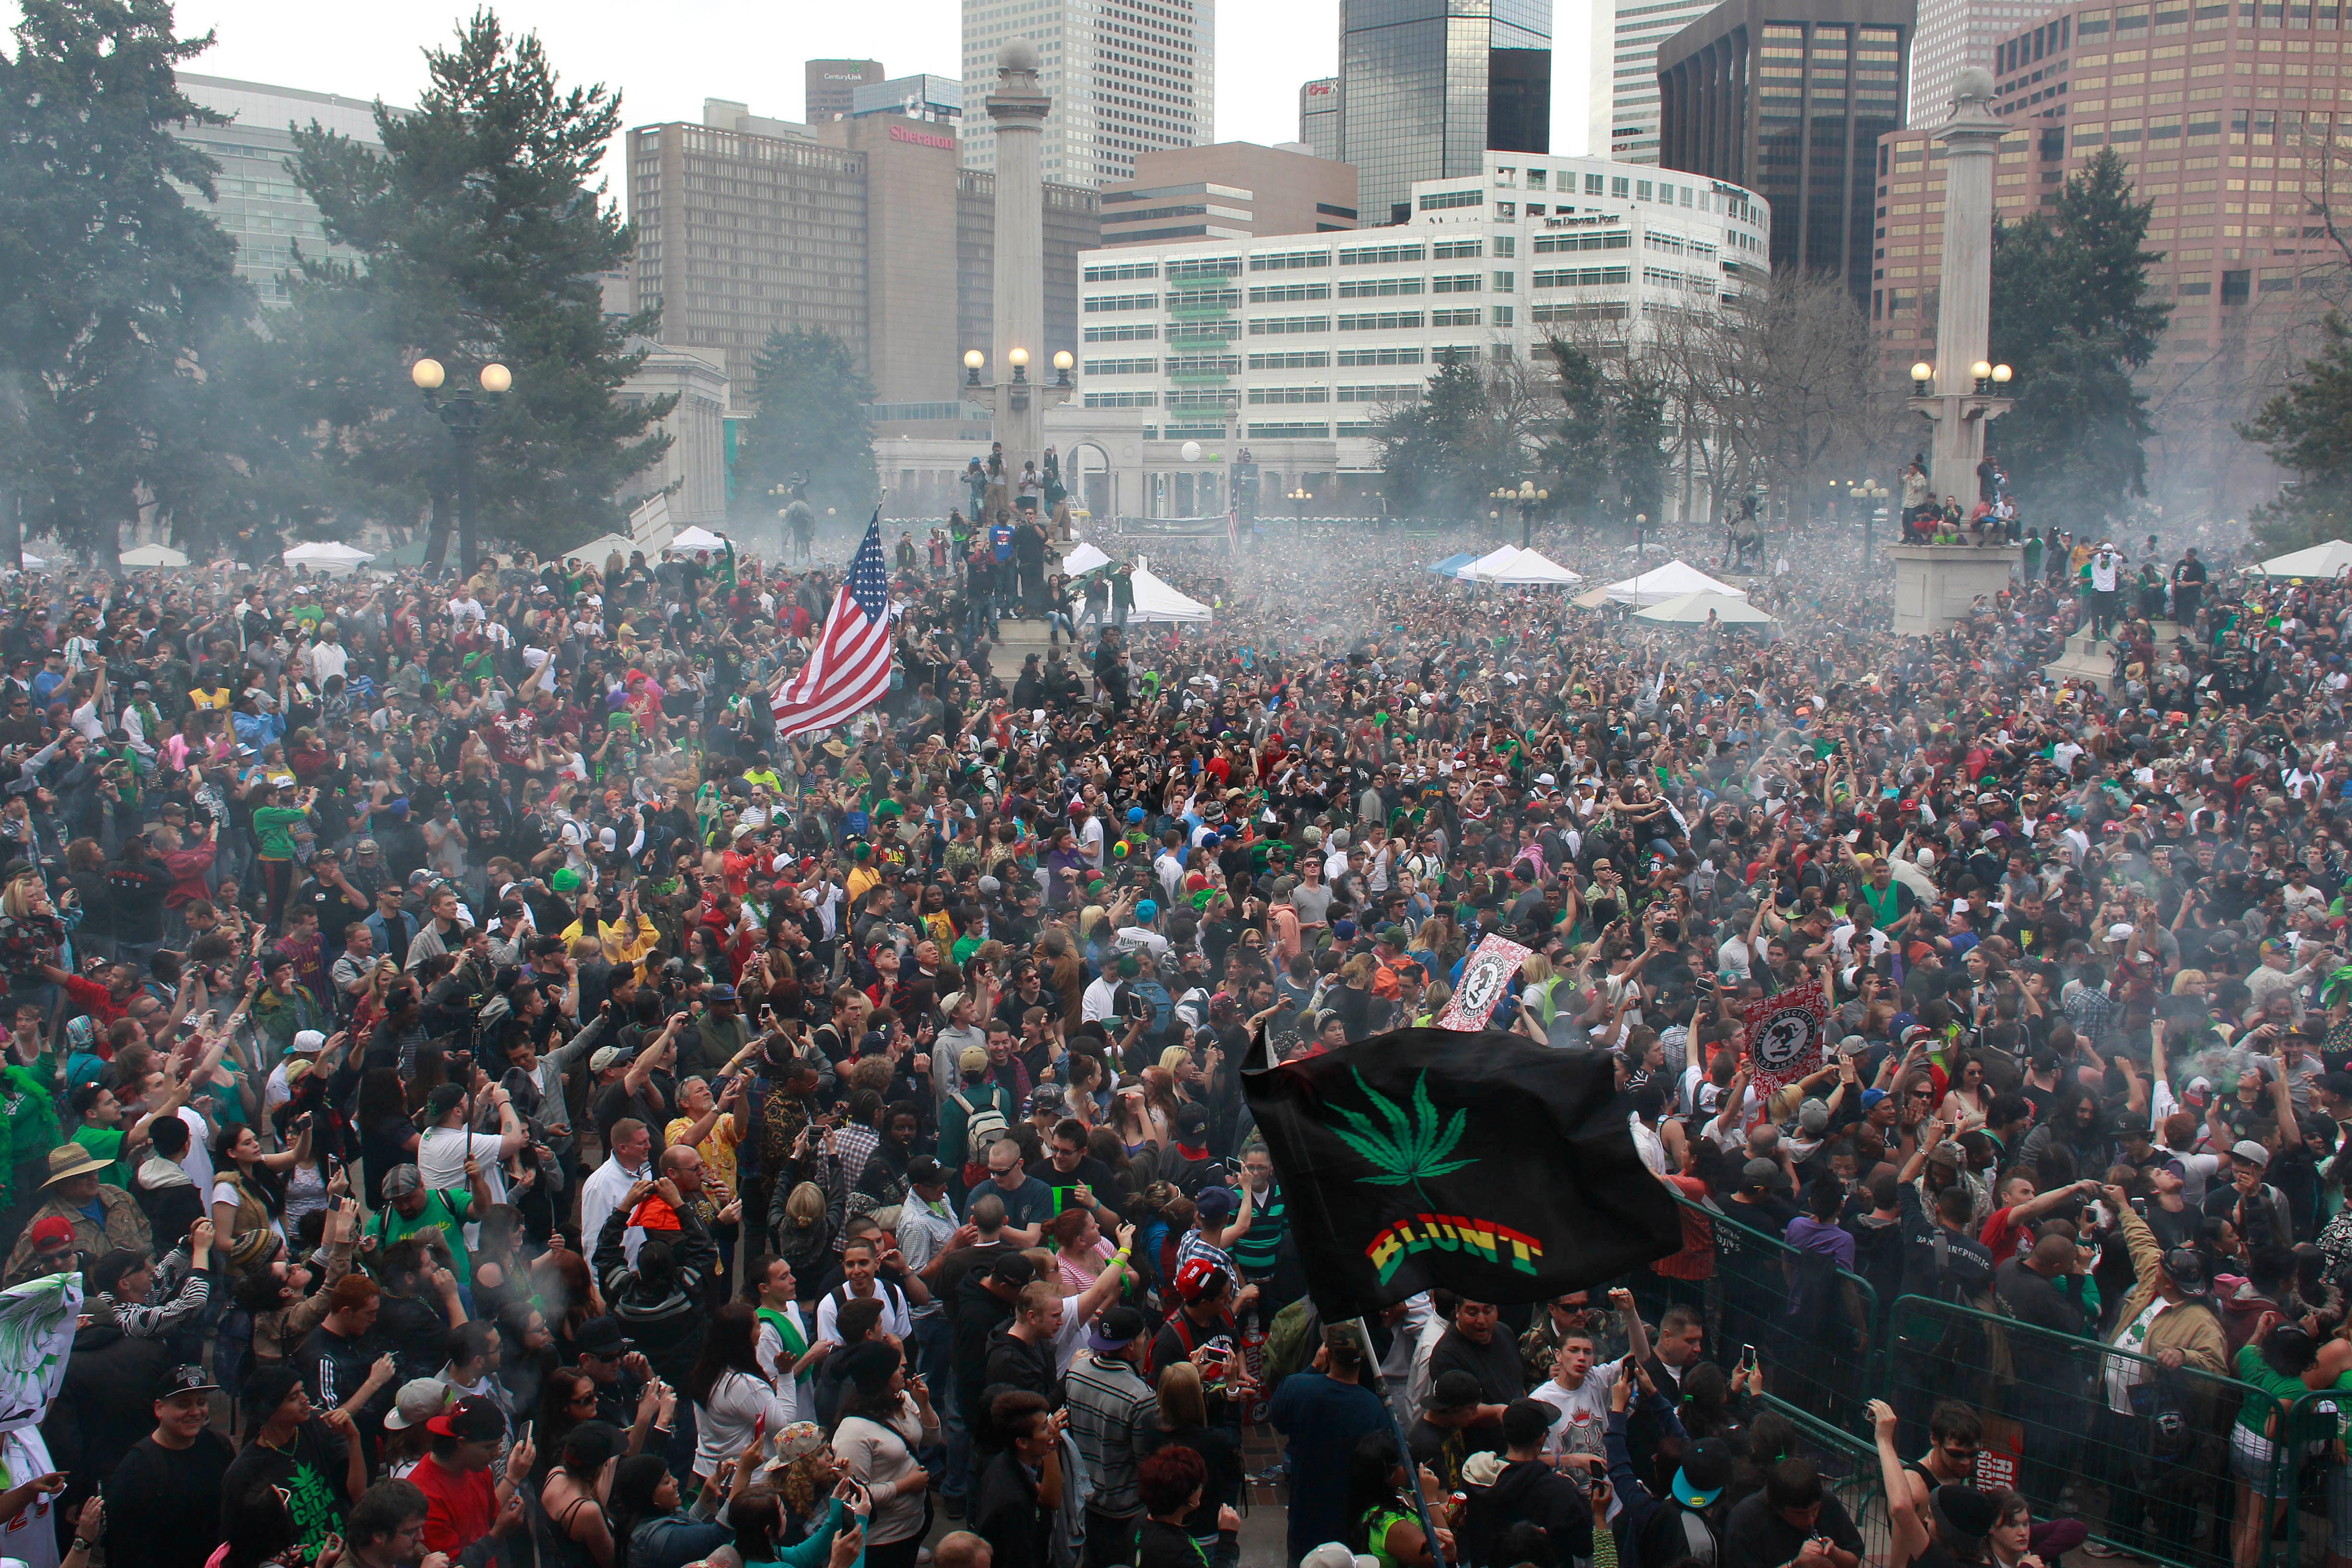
column 981, row 1127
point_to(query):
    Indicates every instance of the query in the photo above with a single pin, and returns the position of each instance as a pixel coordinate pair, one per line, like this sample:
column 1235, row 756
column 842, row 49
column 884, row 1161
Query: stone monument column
column 1964, row 307
column 1936, row 585
column 1018, row 107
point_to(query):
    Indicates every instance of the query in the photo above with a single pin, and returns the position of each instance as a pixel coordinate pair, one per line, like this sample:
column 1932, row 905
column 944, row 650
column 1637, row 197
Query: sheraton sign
column 921, row 138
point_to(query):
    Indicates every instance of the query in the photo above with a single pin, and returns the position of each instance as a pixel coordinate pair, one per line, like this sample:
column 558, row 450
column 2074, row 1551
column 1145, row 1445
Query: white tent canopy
column 326, row 555
column 153, row 555
column 1156, row 601
column 691, row 538
column 1659, row 583
column 1692, row 610
column 1084, row 558
column 1526, row 568
column 2320, row 560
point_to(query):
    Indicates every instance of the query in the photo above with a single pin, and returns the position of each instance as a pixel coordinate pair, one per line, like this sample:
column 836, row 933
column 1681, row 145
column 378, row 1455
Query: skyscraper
column 257, row 202
column 1126, row 77
column 830, row 85
column 1790, row 98
column 1623, row 100
column 1427, row 86
column 1956, row 33
column 1318, row 116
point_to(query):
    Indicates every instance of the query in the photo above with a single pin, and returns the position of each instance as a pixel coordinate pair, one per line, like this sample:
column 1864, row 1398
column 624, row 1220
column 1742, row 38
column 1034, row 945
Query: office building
column 2219, row 115
column 255, row 200
column 1300, row 341
column 937, row 99
column 1957, row 33
column 1790, row 98
column 1126, row 77
column 832, row 86
column 839, row 229
column 1318, row 117
column 1623, row 99
column 1427, row 86
column 1228, row 190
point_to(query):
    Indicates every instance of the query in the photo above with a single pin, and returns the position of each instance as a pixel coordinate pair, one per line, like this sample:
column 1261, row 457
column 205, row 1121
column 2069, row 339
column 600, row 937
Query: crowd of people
column 505, row 1103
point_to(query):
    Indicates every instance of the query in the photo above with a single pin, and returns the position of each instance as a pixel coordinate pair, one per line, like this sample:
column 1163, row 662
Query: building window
column 1454, row 317
column 1359, row 357
column 1293, row 432
column 1456, row 283
column 1394, row 392
column 1581, row 277
column 1284, row 260
column 1503, row 314
column 1377, row 288
column 1277, row 326
column 1438, row 201
column 1378, row 255
column 1292, row 359
column 1123, row 332
column 1099, row 304
column 1507, row 245
column 1455, row 250
column 1122, row 399
column 1379, row 321
column 1121, row 366
column 1262, row 394
column 1122, row 272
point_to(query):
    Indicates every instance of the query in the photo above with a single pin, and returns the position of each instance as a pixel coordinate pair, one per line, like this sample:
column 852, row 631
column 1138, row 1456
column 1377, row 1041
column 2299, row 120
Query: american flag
column 850, row 670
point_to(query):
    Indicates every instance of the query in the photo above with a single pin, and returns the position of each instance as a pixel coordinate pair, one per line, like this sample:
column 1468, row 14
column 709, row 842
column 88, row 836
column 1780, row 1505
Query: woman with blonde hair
column 1183, row 1422
column 1137, row 1123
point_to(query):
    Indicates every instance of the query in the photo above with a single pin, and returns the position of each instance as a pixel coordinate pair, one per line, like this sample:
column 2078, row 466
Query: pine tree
column 1424, row 446
column 117, row 298
column 1637, row 443
column 1578, row 455
column 812, row 426
column 2073, row 316
column 481, row 240
column 2307, row 430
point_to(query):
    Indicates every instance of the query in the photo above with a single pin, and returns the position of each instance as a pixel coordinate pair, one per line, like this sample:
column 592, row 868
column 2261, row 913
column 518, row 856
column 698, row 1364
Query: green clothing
column 32, row 1121
column 106, row 1143
column 444, row 1212
column 1269, row 1219
column 2271, row 1392
column 274, row 826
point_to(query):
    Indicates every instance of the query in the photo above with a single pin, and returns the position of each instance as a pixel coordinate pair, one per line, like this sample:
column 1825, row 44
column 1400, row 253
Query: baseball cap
column 473, row 1417
column 2251, row 1152
column 2186, row 1270
column 1215, row 1202
column 52, row 1232
column 1196, row 1277
column 1968, row 1510
column 601, row 1338
column 307, row 1042
column 1760, row 1172
column 923, row 1170
column 1454, row 1390
column 1707, row 1470
column 402, row 1179
column 183, row 1379
column 1116, row 1329
column 420, row 1400
column 973, row 1059
column 604, row 1057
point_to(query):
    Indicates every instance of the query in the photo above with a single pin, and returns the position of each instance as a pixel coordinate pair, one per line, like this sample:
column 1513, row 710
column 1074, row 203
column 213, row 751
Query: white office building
column 1623, row 103
column 1294, row 344
column 255, row 199
column 1126, row 77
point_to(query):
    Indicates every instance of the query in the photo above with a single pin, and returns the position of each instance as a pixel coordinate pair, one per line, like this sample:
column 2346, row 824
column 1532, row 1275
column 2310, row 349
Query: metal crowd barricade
column 1811, row 1323
column 2140, row 1453
column 2321, row 1504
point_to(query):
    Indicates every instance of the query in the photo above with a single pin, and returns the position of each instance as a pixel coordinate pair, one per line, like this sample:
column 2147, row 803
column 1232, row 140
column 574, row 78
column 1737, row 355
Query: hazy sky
column 666, row 59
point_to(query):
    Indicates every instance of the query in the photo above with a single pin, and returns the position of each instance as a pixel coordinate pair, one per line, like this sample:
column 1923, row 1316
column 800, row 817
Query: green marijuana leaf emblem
column 1412, row 1149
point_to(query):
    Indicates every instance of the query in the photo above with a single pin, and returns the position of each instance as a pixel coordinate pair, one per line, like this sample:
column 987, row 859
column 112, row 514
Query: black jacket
column 1005, row 1514
column 104, row 1407
column 1529, row 1490
column 1013, row 1363
column 977, row 1317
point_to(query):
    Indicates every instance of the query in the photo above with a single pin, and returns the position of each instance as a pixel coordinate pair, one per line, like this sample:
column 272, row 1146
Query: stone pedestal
column 1934, row 585
column 2092, row 661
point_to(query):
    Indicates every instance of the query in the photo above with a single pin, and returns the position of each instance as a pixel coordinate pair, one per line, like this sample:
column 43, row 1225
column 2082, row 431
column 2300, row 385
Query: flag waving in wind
column 850, row 670
column 1473, row 1161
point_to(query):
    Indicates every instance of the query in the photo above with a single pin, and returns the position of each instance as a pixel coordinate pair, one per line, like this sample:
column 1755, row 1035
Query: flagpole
column 1404, row 1449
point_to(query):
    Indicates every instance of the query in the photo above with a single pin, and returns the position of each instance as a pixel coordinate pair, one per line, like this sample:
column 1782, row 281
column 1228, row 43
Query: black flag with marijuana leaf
column 1481, row 1162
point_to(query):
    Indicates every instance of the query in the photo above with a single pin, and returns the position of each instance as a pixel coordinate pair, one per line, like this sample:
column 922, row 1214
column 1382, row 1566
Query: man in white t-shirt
column 1578, row 1390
